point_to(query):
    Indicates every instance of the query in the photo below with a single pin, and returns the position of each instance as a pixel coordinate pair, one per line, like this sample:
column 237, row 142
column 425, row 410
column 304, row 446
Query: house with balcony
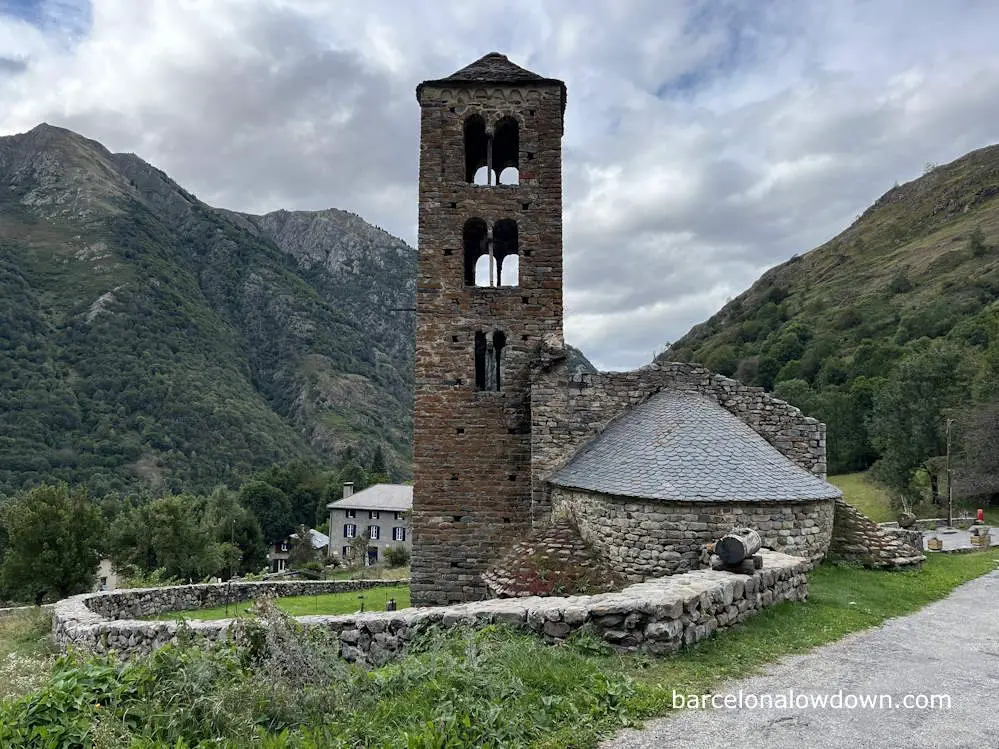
column 378, row 514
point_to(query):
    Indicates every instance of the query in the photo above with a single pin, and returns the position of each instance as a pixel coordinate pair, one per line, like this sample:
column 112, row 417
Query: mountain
column 826, row 330
column 148, row 339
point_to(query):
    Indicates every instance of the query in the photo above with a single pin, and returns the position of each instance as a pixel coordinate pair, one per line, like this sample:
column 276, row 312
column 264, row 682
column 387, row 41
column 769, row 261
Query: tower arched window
column 489, row 349
column 506, row 245
column 506, row 151
column 475, row 240
column 492, row 155
column 491, row 257
column 476, row 147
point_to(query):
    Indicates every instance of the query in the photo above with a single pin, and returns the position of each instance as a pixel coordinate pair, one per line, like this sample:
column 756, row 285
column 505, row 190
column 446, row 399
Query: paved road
column 949, row 647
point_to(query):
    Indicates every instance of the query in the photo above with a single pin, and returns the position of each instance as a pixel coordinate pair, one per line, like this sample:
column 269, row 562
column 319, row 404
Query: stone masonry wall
column 660, row 616
column 567, row 411
column 858, row 539
column 643, row 538
column 131, row 603
column 471, row 451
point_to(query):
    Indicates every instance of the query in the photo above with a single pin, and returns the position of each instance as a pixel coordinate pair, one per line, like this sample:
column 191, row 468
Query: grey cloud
column 705, row 141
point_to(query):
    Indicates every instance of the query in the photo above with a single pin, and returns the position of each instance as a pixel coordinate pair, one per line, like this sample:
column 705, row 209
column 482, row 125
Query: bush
column 289, row 688
column 397, row 556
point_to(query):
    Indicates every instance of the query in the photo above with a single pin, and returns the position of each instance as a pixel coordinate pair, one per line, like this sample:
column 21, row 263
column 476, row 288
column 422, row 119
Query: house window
column 398, row 516
column 373, row 532
column 350, row 513
column 350, row 531
column 374, row 515
column 398, row 534
column 345, row 552
column 284, row 546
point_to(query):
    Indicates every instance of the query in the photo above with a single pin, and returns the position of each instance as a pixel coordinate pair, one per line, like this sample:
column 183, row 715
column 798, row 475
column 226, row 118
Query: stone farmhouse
column 379, row 513
column 516, row 459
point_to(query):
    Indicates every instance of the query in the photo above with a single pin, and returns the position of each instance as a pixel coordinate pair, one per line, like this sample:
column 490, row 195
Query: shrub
column 397, row 556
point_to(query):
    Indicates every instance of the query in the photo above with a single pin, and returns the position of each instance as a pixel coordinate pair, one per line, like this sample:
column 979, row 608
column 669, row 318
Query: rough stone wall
column 569, row 410
column 472, row 482
column 130, row 603
column 858, row 539
column 553, row 560
column 645, row 539
column 660, row 616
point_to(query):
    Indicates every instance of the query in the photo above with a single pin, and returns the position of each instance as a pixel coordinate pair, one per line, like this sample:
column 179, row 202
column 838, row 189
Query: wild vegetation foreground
column 490, row 688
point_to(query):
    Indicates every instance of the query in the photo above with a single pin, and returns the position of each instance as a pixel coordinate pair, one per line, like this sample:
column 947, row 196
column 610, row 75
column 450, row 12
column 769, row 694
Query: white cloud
column 704, row 142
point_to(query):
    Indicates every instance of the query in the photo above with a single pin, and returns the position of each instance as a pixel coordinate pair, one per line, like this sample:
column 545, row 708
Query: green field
column 329, row 603
column 874, row 500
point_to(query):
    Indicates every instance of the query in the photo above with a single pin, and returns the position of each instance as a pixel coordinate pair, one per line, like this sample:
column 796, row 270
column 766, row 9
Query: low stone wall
column 134, row 603
column 643, row 538
column 659, row 615
column 858, row 539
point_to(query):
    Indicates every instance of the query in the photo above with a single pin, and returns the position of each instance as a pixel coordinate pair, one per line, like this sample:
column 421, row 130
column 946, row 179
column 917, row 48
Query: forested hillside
column 147, row 339
column 886, row 331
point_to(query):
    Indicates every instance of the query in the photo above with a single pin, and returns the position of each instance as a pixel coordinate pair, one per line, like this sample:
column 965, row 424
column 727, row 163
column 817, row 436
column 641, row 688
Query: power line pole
column 950, row 482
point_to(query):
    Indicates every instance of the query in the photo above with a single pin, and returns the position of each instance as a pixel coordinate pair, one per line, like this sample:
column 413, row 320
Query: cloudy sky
column 705, row 140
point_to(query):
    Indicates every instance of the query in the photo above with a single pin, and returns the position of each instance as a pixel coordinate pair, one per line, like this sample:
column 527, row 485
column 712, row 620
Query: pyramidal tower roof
column 491, row 68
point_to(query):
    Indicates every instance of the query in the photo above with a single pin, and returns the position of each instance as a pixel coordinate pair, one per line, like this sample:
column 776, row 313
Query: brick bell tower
column 489, row 290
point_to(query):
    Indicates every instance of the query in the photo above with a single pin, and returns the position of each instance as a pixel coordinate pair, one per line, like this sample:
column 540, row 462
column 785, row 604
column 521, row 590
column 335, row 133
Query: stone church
column 629, row 473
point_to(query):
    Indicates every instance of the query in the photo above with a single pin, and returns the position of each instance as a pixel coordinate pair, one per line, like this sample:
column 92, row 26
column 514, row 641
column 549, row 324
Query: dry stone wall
column 568, row 410
column 643, row 538
column 858, row 539
column 660, row 616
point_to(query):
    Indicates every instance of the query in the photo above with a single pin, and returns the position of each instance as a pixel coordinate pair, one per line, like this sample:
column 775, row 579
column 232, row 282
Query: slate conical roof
column 686, row 447
column 491, row 68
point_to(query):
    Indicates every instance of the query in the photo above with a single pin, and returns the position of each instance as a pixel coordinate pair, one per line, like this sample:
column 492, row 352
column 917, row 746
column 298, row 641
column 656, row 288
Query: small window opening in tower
column 476, row 147
column 489, row 360
column 475, row 240
column 505, row 156
column 506, row 249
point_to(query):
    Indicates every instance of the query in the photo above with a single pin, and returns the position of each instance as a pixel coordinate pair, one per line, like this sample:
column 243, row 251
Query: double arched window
column 492, row 155
column 492, row 257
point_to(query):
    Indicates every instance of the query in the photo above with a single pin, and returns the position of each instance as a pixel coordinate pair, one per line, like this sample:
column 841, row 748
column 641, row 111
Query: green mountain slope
column 826, row 330
column 149, row 339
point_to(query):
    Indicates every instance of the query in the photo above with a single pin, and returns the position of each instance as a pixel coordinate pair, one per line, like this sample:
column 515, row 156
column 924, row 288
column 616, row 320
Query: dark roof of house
column 686, row 447
column 492, row 68
column 392, row 497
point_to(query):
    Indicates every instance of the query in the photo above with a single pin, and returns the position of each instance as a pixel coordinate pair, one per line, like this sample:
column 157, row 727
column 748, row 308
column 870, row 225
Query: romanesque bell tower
column 489, row 291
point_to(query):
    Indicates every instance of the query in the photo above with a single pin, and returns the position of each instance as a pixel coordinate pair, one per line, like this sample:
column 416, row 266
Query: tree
column 166, row 534
column 302, row 551
column 908, row 419
column 271, row 507
column 54, row 542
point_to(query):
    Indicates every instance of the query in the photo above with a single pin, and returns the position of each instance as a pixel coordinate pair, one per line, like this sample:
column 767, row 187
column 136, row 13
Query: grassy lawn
column 874, row 500
column 868, row 497
column 26, row 652
column 492, row 688
column 330, row 603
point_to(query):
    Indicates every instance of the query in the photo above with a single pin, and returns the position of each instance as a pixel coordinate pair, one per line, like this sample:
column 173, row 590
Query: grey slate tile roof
column 492, row 68
column 392, row 497
column 686, row 447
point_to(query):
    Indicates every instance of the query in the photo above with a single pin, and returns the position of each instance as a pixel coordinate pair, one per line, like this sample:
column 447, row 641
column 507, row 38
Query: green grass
column 26, row 652
column 492, row 688
column 329, row 603
column 874, row 500
column 842, row 599
column 870, row 498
